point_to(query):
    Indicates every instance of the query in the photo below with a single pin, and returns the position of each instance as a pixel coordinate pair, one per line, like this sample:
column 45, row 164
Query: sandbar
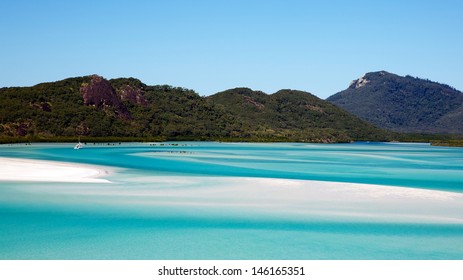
column 13, row 169
column 239, row 196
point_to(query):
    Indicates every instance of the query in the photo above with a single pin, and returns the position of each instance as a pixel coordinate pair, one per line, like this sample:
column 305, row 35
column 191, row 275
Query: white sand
column 242, row 196
column 13, row 169
column 288, row 198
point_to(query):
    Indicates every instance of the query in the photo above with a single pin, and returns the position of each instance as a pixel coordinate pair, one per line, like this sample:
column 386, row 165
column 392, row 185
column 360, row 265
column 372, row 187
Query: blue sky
column 210, row 46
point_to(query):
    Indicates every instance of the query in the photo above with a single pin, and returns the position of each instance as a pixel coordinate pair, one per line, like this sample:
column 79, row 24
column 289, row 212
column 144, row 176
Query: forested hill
column 296, row 114
column 94, row 107
column 403, row 104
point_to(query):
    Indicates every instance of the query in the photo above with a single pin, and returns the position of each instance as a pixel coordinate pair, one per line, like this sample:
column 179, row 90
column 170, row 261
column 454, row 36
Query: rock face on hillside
column 101, row 94
column 403, row 104
column 132, row 95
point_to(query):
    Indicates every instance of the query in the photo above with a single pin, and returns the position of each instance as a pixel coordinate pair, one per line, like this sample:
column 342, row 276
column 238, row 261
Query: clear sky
column 210, row 46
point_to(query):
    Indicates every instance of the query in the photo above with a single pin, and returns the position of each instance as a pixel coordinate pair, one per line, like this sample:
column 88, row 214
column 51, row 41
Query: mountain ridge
column 403, row 103
column 91, row 106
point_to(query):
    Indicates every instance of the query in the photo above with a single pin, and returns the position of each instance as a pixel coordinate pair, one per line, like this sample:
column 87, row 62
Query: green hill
column 403, row 104
column 296, row 115
column 127, row 109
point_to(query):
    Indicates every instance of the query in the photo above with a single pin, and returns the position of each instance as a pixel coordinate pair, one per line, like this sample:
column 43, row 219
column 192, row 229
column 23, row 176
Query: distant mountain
column 403, row 104
column 94, row 107
column 296, row 114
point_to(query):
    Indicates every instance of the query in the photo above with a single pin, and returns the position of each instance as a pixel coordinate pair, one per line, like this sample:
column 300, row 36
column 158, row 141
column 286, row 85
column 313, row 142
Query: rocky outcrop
column 101, row 94
column 253, row 102
column 44, row 106
column 132, row 95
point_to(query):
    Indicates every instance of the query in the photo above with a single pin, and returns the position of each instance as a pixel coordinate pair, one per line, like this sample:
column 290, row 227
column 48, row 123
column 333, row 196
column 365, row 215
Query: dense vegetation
column 403, row 104
column 296, row 115
column 127, row 110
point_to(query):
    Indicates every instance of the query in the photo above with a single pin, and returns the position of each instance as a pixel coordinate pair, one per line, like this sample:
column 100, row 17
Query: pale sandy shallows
column 13, row 169
column 239, row 195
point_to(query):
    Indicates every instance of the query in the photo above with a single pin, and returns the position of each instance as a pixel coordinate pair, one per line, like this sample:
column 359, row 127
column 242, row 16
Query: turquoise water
column 158, row 204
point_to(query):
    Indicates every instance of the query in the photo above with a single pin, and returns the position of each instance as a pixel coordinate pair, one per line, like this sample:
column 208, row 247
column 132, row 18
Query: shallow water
column 194, row 201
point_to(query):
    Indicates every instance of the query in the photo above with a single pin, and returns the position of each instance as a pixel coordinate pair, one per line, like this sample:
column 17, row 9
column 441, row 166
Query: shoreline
column 31, row 170
column 434, row 143
column 240, row 196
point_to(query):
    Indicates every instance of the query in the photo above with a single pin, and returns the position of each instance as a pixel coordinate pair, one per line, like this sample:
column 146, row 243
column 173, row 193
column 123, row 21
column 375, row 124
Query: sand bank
column 13, row 169
column 239, row 196
column 285, row 198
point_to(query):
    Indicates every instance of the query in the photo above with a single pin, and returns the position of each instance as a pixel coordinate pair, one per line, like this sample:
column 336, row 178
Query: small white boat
column 78, row 146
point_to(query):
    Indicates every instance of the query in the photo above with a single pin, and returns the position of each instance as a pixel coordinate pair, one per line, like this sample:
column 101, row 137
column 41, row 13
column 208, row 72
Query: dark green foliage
column 94, row 108
column 449, row 143
column 403, row 104
column 166, row 112
column 295, row 115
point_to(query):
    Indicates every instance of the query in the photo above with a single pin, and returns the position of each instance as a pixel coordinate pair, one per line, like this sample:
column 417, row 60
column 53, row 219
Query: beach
column 49, row 171
column 239, row 196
